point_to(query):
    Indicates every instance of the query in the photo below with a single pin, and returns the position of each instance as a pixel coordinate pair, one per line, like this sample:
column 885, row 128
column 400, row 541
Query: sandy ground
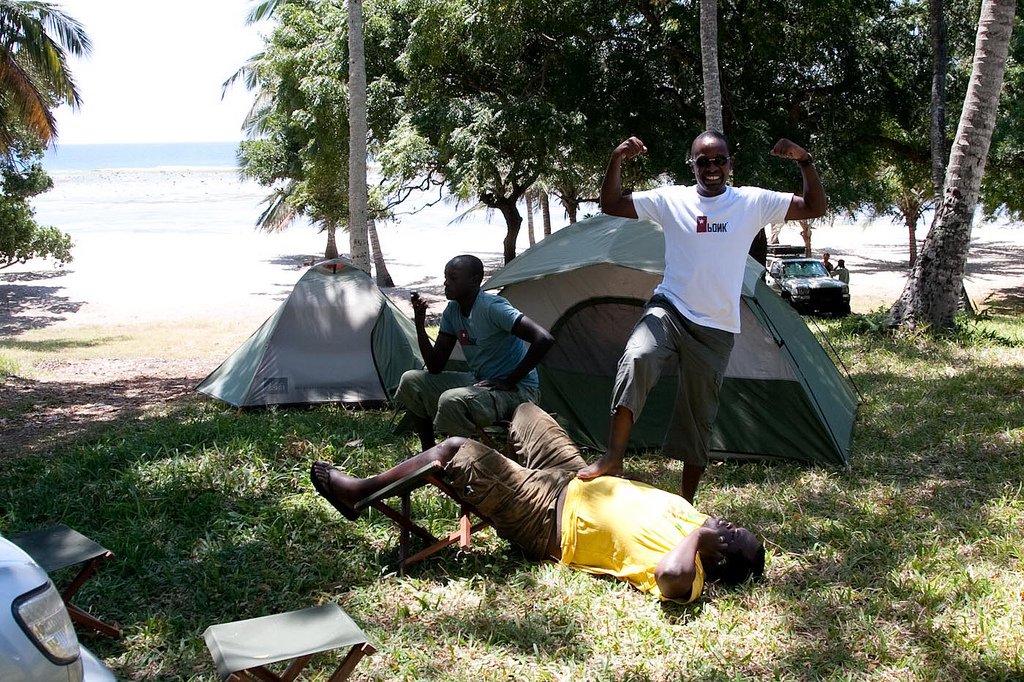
column 141, row 277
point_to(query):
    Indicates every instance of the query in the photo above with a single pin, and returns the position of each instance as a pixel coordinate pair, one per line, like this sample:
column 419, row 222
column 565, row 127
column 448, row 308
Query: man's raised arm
column 435, row 355
column 811, row 203
column 613, row 201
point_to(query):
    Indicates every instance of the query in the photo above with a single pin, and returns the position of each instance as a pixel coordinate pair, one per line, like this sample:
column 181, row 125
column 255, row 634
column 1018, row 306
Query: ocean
column 168, row 155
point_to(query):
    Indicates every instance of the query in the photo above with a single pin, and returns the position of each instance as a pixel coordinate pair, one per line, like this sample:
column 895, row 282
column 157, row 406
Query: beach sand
column 176, row 245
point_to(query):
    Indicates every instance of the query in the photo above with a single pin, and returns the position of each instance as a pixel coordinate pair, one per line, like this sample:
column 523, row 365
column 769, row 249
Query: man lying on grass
column 652, row 539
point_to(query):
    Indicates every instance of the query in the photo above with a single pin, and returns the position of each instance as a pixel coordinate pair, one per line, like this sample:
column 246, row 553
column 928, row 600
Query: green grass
column 908, row 566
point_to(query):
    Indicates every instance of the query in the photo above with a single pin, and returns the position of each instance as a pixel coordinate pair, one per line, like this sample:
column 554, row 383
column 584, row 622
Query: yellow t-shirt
column 613, row 526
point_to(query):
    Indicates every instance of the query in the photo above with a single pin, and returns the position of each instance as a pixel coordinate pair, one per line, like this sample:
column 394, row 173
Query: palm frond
column 279, row 213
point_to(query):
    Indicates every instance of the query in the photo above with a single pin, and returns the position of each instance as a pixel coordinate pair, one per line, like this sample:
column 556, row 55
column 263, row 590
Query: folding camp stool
column 242, row 649
column 58, row 547
column 428, row 474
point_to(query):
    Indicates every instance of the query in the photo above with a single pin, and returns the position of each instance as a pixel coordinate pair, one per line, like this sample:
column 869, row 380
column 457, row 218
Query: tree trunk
column 332, row 246
column 776, row 229
column 357, row 192
column 513, row 221
column 571, row 209
column 937, row 33
column 379, row 266
column 910, row 218
column 529, row 218
column 545, row 211
column 933, row 290
column 805, row 234
column 709, row 62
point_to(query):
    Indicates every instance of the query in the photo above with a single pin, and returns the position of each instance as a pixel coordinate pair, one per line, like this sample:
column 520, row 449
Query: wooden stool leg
column 90, row 621
column 77, row 614
column 465, row 528
column 351, row 661
column 87, row 571
column 403, row 535
column 295, row 668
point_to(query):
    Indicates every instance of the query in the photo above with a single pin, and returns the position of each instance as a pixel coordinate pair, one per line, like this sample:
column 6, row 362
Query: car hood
column 815, row 283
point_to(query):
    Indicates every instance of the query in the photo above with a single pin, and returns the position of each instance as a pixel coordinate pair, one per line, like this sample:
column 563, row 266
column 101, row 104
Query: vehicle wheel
column 844, row 310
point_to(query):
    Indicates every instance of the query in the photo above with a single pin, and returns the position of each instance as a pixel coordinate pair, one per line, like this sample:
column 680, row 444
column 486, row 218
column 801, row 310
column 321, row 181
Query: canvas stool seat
column 241, row 650
column 60, row 546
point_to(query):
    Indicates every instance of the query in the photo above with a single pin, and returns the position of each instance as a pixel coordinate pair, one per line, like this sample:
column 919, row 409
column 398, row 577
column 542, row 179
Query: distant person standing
column 695, row 311
column 827, row 263
column 841, row 273
column 502, row 348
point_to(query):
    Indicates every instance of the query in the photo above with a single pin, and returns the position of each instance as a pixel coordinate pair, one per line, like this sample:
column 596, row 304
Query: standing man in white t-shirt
column 695, row 311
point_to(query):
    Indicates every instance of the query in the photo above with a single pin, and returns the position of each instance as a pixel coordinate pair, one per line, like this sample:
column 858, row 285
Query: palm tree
column 357, row 192
column 932, row 294
column 35, row 39
column 709, row 61
column 937, row 34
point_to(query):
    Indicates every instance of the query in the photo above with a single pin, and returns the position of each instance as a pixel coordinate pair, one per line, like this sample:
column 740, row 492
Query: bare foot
column 608, row 465
column 333, row 486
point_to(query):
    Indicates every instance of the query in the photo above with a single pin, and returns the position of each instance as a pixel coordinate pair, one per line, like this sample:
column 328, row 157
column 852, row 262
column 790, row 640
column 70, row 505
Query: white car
column 37, row 640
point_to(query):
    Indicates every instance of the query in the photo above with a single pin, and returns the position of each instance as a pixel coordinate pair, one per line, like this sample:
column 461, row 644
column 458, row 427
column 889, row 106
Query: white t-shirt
column 706, row 244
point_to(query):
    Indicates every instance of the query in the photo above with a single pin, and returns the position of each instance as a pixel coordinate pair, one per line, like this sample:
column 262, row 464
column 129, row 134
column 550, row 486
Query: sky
column 156, row 71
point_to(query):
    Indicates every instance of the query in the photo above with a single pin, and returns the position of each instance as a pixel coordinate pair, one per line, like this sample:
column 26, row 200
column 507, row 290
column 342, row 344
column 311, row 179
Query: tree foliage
column 487, row 98
column 493, row 96
column 21, row 237
column 299, row 123
column 35, row 38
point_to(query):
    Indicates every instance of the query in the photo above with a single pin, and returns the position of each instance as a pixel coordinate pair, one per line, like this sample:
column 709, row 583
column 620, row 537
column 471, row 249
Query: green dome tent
column 782, row 397
column 336, row 338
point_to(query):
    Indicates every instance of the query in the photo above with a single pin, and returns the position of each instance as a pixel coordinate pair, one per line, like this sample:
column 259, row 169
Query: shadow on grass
column 42, row 417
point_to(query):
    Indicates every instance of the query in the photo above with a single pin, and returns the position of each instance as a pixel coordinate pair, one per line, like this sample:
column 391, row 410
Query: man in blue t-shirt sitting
column 501, row 345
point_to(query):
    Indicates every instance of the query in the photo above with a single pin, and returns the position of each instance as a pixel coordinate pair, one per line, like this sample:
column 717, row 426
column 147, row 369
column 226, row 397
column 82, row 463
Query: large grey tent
column 336, row 338
column 782, row 397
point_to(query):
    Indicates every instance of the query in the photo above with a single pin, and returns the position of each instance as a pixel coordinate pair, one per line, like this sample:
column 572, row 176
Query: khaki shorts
column 454, row 404
column 661, row 336
column 519, row 499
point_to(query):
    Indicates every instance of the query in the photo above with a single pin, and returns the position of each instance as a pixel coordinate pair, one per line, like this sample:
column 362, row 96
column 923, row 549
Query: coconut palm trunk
column 932, row 293
column 357, row 192
column 709, row 62
column 332, row 244
column 529, row 218
column 379, row 266
column 937, row 34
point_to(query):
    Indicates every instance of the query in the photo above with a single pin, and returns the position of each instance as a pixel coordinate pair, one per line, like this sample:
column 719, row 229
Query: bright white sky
column 156, row 71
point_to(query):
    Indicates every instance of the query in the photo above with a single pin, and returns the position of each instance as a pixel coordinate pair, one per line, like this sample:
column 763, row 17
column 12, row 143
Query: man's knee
column 447, row 448
column 526, row 413
column 410, row 390
column 458, row 413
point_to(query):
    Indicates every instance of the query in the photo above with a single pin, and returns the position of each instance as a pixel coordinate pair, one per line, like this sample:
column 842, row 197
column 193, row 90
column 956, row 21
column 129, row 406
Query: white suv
column 37, row 640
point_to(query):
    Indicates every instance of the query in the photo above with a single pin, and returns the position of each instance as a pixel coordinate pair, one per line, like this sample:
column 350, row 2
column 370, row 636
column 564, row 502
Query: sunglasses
column 705, row 161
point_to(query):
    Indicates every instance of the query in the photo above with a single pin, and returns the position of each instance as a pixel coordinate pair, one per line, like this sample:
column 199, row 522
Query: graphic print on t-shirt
column 465, row 339
column 704, row 226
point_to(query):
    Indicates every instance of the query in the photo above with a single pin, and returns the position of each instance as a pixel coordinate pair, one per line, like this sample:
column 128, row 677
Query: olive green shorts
column 519, row 497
